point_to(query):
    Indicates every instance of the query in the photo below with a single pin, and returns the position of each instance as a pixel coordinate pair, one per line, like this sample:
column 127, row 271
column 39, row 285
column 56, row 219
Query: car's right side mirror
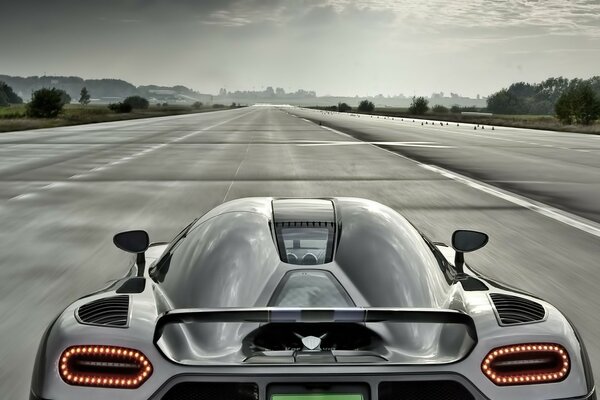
column 132, row 241
column 136, row 242
column 465, row 241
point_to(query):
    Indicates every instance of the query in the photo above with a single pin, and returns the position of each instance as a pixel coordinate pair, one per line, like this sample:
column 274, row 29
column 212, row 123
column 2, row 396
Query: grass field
column 543, row 122
column 13, row 118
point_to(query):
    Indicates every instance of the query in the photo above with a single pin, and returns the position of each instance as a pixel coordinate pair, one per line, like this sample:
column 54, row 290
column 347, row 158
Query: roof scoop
column 305, row 230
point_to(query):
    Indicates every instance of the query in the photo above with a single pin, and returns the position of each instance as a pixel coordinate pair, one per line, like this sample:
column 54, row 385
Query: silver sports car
column 308, row 299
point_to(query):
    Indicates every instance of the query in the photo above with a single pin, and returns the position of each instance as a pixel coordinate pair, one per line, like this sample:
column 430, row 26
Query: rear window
column 310, row 288
column 305, row 244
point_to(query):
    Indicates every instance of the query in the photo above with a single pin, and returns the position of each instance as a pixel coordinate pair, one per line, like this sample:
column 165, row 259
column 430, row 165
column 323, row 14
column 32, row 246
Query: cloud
column 557, row 16
column 336, row 46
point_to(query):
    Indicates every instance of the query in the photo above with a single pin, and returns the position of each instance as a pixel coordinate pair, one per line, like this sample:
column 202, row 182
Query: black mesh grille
column 109, row 311
column 517, row 310
column 212, row 391
column 423, row 390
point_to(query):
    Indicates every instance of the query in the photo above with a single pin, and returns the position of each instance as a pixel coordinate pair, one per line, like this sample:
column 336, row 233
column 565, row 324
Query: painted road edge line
column 554, row 213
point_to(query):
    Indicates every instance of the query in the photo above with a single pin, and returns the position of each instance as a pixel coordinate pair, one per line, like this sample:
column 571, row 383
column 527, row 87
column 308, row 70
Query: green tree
column 343, row 107
column 440, row 109
column 197, row 105
column 3, row 99
column 65, row 97
column 366, row 106
column 84, row 96
column 8, row 96
column 578, row 104
column 137, row 102
column 506, row 101
column 419, row 106
column 46, row 103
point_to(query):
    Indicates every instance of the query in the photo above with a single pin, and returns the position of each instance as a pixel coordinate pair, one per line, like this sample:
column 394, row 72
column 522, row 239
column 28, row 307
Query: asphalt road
column 64, row 192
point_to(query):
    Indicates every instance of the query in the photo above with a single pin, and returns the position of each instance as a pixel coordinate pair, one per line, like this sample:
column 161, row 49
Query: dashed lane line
column 130, row 157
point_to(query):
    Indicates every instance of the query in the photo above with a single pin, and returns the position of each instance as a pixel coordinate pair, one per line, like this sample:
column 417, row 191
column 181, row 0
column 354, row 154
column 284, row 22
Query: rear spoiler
column 315, row 315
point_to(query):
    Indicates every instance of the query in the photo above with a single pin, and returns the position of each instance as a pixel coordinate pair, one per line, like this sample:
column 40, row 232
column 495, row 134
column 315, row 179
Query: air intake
column 423, row 390
column 516, row 310
column 212, row 391
column 109, row 311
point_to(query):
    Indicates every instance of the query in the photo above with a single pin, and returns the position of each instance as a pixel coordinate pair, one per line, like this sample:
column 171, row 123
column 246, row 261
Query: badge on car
column 311, row 342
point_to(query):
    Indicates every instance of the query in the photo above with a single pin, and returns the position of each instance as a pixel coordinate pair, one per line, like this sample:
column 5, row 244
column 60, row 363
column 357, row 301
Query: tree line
column 571, row 100
column 49, row 102
column 574, row 101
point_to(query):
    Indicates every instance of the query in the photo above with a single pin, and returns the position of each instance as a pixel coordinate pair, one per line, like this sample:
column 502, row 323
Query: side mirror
column 132, row 241
column 464, row 241
column 467, row 241
column 136, row 242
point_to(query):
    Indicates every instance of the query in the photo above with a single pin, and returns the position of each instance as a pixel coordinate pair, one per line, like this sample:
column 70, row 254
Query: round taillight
column 530, row 363
column 104, row 366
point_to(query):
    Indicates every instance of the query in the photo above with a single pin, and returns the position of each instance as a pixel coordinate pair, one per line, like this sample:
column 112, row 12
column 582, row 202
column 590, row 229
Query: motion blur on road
column 64, row 192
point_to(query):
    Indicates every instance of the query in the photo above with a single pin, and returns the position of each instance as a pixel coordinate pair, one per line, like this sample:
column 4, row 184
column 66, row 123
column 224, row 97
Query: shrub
column 137, row 102
column 419, row 106
column 218, row 106
column 439, row 109
column 197, row 105
column 120, row 108
column 455, row 109
column 46, row 103
column 366, row 106
column 343, row 107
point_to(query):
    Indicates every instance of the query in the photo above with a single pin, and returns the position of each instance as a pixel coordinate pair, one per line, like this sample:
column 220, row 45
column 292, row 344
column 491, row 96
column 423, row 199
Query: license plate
column 317, row 396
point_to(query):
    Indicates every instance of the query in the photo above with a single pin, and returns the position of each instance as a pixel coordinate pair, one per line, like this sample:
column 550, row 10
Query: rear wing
column 314, row 315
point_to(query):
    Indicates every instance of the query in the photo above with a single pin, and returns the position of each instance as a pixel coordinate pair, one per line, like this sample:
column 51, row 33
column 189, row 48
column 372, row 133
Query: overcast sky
column 332, row 46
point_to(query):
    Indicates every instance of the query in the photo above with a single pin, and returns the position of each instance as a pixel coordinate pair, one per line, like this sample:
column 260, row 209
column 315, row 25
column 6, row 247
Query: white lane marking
column 556, row 214
column 434, row 125
column 128, row 158
column 338, row 132
column 49, row 186
column 432, row 145
column 153, row 148
column 540, row 208
column 22, row 196
column 236, row 173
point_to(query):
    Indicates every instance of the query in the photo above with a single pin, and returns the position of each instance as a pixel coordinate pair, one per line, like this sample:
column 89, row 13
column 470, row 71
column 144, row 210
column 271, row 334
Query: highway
column 65, row 191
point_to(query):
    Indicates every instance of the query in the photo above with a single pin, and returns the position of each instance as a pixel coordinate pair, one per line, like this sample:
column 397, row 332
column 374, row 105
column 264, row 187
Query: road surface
column 65, row 191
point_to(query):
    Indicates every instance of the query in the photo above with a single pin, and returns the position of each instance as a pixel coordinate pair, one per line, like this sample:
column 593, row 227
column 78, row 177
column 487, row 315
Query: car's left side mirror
column 136, row 242
column 465, row 241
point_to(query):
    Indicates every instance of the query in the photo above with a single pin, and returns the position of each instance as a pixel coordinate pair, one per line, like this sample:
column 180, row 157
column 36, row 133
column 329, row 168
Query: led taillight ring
column 529, row 363
column 104, row 366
